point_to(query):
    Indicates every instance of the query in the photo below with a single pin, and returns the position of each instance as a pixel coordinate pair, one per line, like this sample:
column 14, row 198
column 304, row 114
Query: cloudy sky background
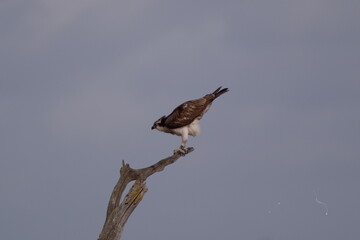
column 82, row 81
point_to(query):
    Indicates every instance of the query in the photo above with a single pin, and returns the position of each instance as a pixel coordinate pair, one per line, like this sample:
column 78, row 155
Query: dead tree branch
column 118, row 212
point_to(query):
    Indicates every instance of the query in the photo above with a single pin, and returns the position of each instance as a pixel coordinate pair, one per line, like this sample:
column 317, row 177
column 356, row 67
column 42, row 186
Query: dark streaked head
column 159, row 122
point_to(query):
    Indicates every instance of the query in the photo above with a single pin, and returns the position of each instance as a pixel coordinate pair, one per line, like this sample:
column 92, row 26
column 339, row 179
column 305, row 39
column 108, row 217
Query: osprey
column 185, row 119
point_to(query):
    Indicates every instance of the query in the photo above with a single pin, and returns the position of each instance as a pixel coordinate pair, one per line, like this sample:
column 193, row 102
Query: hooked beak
column 152, row 127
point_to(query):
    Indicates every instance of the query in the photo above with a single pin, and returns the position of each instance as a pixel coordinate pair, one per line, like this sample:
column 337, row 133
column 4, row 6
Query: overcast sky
column 82, row 81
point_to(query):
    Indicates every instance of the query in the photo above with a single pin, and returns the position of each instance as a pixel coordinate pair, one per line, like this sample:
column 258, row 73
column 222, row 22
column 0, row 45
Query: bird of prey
column 185, row 119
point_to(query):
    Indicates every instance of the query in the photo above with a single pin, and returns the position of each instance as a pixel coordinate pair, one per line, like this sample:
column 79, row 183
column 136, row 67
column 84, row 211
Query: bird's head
column 158, row 123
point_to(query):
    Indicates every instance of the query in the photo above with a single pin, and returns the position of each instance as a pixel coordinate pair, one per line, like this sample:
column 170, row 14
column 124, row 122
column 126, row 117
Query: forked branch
column 118, row 212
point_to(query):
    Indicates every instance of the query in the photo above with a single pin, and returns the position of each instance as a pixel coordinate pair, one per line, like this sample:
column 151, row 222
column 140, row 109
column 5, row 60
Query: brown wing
column 186, row 113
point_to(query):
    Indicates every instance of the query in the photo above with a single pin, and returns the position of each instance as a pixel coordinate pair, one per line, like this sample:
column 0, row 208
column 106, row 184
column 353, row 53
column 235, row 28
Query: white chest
column 193, row 129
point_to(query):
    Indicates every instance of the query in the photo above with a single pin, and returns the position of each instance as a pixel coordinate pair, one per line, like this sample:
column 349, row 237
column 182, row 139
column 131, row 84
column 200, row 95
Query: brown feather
column 186, row 113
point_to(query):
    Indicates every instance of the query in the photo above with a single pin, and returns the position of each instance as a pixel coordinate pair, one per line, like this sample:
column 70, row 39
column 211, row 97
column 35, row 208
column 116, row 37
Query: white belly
column 193, row 129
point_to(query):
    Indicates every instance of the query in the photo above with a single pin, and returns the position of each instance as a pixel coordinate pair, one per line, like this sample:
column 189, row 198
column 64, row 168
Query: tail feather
column 220, row 91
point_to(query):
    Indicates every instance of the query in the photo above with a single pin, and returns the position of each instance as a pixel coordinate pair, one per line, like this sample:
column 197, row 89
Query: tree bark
column 118, row 212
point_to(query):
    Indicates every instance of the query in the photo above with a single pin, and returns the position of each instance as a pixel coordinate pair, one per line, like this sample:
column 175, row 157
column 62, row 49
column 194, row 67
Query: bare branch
column 118, row 213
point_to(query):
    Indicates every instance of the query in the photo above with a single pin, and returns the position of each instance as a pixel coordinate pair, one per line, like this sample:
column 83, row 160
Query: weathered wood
column 118, row 212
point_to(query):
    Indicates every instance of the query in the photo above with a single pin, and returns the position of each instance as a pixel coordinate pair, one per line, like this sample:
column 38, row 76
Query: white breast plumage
column 194, row 128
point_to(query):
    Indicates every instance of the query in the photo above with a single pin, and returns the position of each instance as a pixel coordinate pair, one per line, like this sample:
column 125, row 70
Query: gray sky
column 82, row 81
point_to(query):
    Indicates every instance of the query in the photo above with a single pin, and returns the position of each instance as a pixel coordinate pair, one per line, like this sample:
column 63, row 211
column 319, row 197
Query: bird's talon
column 182, row 151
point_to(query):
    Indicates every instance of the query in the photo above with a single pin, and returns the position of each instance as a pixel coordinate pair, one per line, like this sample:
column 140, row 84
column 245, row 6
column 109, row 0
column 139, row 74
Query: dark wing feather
column 186, row 113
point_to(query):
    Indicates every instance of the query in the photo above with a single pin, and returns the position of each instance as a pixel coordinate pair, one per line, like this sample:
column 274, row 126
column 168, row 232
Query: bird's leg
column 184, row 138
